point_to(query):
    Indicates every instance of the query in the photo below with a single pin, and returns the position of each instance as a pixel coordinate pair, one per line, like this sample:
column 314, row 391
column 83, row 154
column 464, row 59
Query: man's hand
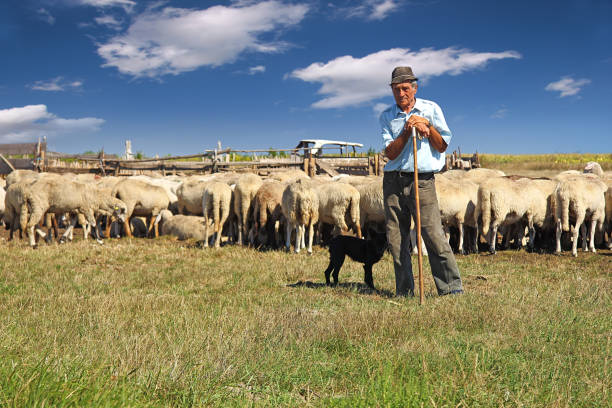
column 420, row 123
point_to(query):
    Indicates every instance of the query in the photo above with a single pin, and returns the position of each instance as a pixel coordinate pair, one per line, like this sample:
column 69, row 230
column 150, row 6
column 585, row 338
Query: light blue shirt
column 392, row 121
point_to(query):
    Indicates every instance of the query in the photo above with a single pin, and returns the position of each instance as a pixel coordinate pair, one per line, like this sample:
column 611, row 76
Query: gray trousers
column 400, row 204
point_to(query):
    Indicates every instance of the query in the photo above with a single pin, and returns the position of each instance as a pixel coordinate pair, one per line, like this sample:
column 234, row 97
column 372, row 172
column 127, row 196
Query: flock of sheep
column 247, row 209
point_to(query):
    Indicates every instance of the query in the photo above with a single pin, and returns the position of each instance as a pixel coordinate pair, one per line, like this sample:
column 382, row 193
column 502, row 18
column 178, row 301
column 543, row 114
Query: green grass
column 162, row 323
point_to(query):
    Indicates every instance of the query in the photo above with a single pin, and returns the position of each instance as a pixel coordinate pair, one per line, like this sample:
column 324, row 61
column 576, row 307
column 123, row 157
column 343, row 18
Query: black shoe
column 454, row 292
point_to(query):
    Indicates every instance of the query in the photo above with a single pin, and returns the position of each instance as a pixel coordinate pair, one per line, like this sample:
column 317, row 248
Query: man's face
column 404, row 94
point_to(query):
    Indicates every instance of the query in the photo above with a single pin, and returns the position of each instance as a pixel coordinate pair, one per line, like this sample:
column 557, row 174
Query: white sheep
column 371, row 205
column 583, row 199
column 339, row 206
column 504, row 201
column 14, row 203
column 62, row 196
column 142, row 199
column 300, row 207
column 189, row 194
column 182, row 226
column 268, row 212
column 458, row 203
column 608, row 197
column 216, row 201
column 477, row 175
column 245, row 190
column 21, row 176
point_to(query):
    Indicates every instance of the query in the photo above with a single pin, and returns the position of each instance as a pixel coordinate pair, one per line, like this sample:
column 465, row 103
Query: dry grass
column 543, row 165
column 162, row 323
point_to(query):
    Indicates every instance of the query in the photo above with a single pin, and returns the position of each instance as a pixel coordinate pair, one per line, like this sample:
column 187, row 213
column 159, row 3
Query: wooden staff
column 418, row 214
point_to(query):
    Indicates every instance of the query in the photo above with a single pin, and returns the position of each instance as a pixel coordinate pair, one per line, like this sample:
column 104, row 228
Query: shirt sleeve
column 440, row 124
column 385, row 126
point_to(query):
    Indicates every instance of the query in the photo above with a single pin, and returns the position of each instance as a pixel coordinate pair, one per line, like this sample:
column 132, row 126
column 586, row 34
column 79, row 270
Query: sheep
column 169, row 185
column 457, row 200
column 594, row 168
column 267, row 211
column 608, row 198
column 371, row 205
column 300, row 205
column 21, row 176
column 216, row 201
column 189, row 195
column 584, row 199
column 504, row 201
column 477, row 175
column 182, row 226
column 339, row 206
column 245, row 190
column 142, row 199
column 61, row 196
column 2, row 205
column 14, row 203
column 289, row 176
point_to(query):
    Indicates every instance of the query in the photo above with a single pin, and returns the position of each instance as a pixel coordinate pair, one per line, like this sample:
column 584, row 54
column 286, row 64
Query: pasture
column 142, row 322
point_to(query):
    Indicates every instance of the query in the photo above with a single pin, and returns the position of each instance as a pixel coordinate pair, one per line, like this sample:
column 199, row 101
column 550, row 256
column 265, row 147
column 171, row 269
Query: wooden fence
column 210, row 161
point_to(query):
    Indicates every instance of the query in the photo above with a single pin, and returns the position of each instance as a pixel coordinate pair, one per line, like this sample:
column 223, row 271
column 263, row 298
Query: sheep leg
column 206, row 229
column 68, row 232
column 31, row 237
column 592, row 235
column 475, row 239
column 298, row 239
column 493, row 239
column 558, row 232
column 359, row 235
column 91, row 219
column 277, row 234
column 583, row 236
column 461, row 251
column 288, row 237
column 107, row 230
column 446, row 232
column 413, row 241
column 217, row 232
column 55, row 227
column 303, row 236
column 239, row 230
column 310, row 236
column 126, row 227
column 579, row 221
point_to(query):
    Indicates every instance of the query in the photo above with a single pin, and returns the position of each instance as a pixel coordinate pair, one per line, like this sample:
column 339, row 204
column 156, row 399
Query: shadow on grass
column 358, row 287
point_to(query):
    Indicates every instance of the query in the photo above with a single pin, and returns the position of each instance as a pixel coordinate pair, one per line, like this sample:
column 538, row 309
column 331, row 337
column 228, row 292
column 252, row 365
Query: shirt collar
column 418, row 106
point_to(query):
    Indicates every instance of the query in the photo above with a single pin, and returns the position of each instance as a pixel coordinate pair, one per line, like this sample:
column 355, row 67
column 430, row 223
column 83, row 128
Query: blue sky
column 176, row 76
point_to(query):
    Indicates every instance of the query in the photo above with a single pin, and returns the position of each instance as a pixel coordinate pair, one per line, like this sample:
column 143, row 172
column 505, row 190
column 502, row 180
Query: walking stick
column 418, row 214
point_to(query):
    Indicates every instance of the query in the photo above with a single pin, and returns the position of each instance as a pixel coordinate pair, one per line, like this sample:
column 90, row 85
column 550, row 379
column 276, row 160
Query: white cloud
column 500, row 113
column 108, row 21
column 127, row 5
column 367, row 9
column 349, row 81
column 56, row 84
column 174, row 40
column 33, row 121
column 379, row 107
column 259, row 69
column 44, row 15
column 567, row 86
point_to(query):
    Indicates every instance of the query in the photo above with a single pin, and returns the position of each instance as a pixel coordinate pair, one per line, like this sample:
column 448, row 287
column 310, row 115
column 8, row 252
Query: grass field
column 162, row 323
column 543, row 165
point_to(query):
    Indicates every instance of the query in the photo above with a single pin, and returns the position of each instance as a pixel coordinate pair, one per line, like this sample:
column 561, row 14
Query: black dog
column 368, row 252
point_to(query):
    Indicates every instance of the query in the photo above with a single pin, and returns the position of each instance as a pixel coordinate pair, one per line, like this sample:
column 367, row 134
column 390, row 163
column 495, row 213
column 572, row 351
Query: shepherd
column 397, row 123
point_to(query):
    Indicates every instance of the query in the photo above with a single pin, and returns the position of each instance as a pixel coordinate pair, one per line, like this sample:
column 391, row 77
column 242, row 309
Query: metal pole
column 418, row 214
